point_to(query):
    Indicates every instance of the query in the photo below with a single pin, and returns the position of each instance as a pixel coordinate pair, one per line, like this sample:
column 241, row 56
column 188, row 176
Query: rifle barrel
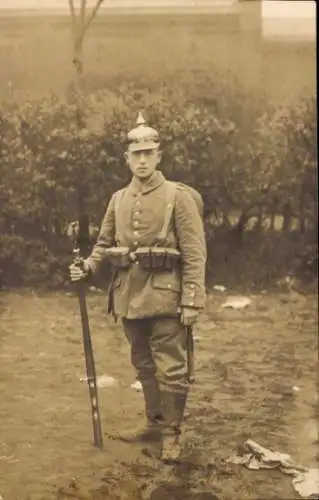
column 90, row 367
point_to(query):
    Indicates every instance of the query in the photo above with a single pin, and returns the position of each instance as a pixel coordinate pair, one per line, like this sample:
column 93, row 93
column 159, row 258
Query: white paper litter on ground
column 307, row 483
column 305, row 480
column 96, row 290
column 103, row 381
column 137, row 386
column 106, row 381
column 220, row 288
column 236, row 302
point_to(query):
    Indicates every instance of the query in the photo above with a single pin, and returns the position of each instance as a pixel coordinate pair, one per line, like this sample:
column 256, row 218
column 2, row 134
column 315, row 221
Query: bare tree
column 81, row 21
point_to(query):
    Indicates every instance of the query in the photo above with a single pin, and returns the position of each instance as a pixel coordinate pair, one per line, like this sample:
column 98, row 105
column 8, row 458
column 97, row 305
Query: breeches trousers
column 159, row 350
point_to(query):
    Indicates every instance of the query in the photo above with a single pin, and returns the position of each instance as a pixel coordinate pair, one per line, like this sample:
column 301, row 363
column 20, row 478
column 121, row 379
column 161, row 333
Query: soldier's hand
column 189, row 316
column 77, row 272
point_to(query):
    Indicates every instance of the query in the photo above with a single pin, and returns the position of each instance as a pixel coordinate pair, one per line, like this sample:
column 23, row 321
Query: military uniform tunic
column 137, row 293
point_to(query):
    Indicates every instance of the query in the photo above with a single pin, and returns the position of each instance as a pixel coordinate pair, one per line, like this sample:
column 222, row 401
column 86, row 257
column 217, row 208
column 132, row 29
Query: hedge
column 249, row 161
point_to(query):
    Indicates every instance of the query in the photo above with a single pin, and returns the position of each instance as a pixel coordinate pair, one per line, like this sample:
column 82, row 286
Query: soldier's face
column 144, row 162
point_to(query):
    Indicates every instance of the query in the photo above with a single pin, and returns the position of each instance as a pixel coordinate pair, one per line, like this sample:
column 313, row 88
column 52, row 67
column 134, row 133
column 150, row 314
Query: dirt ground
column 248, row 361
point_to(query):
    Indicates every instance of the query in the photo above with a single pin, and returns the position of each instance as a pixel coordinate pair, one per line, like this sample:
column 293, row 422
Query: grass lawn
column 247, row 363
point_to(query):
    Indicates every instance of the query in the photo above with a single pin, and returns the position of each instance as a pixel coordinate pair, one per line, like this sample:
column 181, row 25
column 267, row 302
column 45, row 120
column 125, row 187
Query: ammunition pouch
column 119, row 257
column 158, row 258
column 149, row 258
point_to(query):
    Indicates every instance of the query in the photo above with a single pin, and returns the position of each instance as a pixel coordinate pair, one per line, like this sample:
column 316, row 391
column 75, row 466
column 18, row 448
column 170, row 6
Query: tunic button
column 191, row 303
column 169, row 286
column 192, row 285
column 135, row 243
column 135, row 223
column 136, row 233
column 137, row 212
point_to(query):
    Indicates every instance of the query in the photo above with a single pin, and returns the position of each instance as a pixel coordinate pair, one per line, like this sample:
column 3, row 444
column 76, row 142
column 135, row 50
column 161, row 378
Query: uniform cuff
column 192, row 296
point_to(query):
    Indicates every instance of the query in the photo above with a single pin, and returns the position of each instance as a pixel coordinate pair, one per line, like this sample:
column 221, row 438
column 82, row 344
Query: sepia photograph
column 158, row 250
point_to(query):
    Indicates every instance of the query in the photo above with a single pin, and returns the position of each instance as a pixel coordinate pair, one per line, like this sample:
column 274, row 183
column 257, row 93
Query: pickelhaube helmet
column 142, row 137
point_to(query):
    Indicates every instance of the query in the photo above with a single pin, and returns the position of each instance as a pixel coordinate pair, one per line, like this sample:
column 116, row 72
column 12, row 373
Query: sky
column 143, row 3
column 27, row 4
column 287, row 17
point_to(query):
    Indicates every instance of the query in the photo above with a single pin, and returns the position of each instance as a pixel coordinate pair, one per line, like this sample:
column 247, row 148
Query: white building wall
column 289, row 19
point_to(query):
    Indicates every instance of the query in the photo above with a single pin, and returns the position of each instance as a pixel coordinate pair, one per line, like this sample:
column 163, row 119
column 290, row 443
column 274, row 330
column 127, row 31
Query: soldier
column 158, row 287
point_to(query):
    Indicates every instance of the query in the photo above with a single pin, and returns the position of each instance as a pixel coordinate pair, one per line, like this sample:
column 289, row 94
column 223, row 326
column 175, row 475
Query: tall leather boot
column 151, row 430
column 173, row 404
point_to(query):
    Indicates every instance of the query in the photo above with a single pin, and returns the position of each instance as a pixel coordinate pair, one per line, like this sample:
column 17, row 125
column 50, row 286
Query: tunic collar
column 156, row 180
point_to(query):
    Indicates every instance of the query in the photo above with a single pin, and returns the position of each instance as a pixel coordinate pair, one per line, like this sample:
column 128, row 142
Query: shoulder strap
column 171, row 188
column 117, row 200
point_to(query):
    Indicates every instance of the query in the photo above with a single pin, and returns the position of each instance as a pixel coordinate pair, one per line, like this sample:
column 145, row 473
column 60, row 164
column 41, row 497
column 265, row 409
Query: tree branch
column 72, row 8
column 83, row 9
column 73, row 15
column 92, row 16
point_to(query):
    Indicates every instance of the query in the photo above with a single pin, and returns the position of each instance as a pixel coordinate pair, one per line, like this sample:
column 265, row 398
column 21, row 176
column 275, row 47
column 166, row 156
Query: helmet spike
column 140, row 119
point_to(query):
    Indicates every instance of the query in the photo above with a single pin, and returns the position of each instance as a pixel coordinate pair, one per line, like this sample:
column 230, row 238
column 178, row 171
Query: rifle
column 89, row 357
column 190, row 354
